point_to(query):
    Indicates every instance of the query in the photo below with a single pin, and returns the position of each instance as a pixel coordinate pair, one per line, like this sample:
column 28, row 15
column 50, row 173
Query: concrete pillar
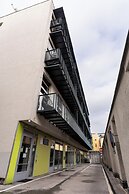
column 112, row 154
column 119, row 156
column 104, row 155
column 107, row 156
column 74, row 157
column 64, row 156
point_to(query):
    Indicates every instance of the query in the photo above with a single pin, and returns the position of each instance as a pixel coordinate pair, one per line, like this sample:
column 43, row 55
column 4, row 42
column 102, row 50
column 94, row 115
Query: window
column 53, row 16
column 127, row 66
column 96, row 145
column 45, row 141
column 50, row 44
column 24, row 154
column 45, row 85
column 1, row 23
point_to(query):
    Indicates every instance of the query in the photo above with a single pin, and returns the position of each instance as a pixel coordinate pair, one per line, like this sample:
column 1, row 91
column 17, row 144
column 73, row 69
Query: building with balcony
column 44, row 118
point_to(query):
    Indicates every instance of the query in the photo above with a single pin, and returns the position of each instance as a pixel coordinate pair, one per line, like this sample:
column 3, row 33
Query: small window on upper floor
column 127, row 66
column 1, row 23
column 53, row 16
column 45, row 85
column 96, row 145
column 50, row 44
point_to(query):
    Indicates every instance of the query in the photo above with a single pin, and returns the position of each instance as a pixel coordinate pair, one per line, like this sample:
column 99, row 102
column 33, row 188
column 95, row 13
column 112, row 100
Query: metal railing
column 58, row 25
column 50, row 102
column 55, row 54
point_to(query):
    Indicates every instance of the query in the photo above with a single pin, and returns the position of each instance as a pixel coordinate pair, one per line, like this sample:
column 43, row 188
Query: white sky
column 98, row 30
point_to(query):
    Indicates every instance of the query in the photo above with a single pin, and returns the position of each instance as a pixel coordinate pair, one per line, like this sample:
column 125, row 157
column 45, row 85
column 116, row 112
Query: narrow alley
column 88, row 179
column 64, row 125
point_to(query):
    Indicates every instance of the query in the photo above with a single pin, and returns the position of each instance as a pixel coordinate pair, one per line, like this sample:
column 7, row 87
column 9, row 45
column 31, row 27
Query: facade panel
column 42, row 157
column 50, row 133
column 14, row 155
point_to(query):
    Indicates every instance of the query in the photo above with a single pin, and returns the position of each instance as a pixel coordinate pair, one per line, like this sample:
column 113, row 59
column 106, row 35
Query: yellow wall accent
column 14, row 156
column 74, row 156
column 64, row 156
column 95, row 142
column 42, row 157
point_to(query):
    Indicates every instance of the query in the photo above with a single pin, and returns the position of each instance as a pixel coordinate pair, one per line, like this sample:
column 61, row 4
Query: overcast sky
column 98, row 30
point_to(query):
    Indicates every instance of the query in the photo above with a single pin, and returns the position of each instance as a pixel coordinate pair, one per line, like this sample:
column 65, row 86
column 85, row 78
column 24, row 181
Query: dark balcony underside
column 60, row 80
column 56, row 119
column 60, row 42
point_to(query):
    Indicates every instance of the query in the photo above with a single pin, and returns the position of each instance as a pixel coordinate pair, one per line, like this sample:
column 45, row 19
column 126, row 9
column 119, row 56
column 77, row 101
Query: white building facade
column 44, row 119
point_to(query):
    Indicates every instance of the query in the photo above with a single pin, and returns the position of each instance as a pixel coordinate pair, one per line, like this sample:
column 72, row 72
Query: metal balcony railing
column 50, row 104
column 57, row 24
column 54, row 57
column 61, row 39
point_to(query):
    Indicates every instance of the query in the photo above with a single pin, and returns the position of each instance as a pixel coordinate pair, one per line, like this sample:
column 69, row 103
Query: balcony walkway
column 53, row 109
column 83, row 179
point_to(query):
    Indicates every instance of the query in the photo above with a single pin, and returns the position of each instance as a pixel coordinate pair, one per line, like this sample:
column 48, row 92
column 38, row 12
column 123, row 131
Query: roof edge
column 120, row 76
column 25, row 8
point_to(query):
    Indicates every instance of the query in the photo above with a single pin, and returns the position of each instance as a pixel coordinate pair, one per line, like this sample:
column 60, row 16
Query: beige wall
column 95, row 142
column 120, row 113
column 120, row 116
column 23, row 41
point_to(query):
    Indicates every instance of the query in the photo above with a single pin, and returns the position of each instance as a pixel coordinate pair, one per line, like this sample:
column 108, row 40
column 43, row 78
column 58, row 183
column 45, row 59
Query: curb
column 43, row 177
column 109, row 180
column 114, row 183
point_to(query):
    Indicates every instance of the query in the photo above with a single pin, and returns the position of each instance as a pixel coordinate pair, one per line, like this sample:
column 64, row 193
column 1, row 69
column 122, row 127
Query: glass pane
column 56, row 157
column 24, row 154
column 60, row 157
column 51, row 157
column 22, row 168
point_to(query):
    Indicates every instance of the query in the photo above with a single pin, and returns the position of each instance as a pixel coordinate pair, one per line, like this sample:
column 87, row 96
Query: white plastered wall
column 23, row 42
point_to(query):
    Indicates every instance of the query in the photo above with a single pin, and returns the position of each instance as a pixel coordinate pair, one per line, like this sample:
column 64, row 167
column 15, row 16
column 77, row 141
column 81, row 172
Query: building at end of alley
column 44, row 118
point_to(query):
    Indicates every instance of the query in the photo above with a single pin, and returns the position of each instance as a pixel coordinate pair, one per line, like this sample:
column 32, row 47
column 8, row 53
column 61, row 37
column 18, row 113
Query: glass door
column 69, row 157
column 32, row 156
column 56, row 157
column 58, row 164
column 25, row 157
column 52, row 156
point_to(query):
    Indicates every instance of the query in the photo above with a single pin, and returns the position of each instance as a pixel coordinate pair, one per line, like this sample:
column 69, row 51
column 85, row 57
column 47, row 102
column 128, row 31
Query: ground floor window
column 56, row 156
column 69, row 156
column 52, row 153
column 24, row 154
column 78, row 157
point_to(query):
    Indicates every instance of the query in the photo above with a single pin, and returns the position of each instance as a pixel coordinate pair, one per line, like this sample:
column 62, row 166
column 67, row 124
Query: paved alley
column 88, row 179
